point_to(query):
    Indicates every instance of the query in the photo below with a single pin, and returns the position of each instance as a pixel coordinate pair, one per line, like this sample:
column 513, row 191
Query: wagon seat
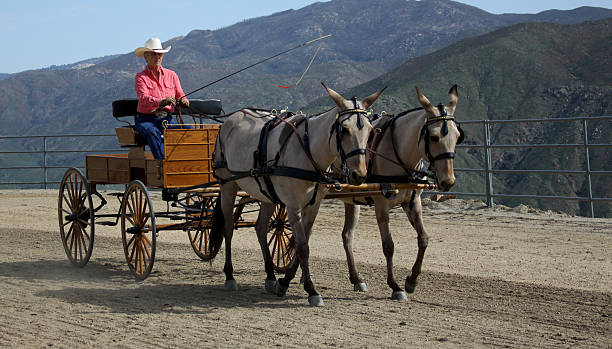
column 130, row 138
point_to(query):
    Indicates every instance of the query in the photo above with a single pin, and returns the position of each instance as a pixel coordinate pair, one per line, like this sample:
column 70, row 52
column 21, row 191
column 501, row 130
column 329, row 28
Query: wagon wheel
column 138, row 230
column 199, row 234
column 281, row 242
column 76, row 217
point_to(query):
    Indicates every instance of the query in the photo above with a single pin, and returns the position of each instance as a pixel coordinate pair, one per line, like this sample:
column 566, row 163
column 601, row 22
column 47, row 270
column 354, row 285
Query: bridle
column 337, row 128
column 444, row 117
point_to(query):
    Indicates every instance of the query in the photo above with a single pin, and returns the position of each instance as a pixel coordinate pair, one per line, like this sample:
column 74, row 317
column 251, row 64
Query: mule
column 428, row 133
column 243, row 137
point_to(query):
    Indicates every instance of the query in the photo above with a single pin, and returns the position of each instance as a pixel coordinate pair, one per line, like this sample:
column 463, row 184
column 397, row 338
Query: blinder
column 444, row 117
column 361, row 113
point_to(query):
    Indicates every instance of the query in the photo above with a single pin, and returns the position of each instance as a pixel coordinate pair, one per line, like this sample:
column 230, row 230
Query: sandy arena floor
column 492, row 278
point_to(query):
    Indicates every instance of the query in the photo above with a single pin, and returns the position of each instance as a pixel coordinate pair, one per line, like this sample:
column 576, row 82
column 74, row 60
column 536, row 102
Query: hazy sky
column 40, row 33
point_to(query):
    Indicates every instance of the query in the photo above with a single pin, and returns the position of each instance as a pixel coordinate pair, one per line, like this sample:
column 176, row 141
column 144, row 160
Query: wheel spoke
column 131, row 258
column 147, row 240
column 70, row 230
column 146, row 248
column 68, row 204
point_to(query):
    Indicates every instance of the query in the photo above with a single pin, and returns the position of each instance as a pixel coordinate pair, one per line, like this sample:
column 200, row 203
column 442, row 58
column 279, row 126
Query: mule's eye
column 434, row 139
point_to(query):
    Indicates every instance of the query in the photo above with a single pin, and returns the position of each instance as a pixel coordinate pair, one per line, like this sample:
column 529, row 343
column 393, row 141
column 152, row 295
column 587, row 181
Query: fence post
column 45, row 161
column 588, row 166
column 488, row 167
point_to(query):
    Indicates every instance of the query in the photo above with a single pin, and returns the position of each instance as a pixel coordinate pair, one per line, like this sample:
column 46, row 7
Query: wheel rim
column 138, row 230
column 76, row 217
column 281, row 242
column 199, row 236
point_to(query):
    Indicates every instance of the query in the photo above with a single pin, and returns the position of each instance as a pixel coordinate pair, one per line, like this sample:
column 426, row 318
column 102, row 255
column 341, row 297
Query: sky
column 41, row 33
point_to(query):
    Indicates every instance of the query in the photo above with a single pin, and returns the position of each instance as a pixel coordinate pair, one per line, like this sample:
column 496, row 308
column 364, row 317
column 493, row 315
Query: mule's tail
column 217, row 230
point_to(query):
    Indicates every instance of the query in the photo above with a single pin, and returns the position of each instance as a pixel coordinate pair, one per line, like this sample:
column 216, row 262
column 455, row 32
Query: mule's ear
column 452, row 100
column 335, row 96
column 366, row 103
column 429, row 108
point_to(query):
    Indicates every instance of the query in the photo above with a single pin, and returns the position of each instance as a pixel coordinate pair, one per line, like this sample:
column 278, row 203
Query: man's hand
column 183, row 102
column 167, row 101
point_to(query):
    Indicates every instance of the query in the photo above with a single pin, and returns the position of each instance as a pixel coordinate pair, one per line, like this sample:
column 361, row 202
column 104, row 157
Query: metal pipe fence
column 488, row 145
column 487, row 170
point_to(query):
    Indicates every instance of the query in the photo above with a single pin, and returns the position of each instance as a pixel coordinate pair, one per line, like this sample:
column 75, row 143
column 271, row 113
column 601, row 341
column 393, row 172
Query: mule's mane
column 406, row 112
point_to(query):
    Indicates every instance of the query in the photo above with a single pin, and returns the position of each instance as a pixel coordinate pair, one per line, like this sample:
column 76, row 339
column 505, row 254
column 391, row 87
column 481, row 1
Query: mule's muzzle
column 356, row 179
column 446, row 184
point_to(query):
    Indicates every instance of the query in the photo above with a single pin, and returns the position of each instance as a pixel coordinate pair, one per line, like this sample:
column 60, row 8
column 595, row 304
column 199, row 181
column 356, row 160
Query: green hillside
column 526, row 71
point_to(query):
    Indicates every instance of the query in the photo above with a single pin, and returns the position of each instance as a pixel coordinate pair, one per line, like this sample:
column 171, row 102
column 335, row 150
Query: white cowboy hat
column 152, row 45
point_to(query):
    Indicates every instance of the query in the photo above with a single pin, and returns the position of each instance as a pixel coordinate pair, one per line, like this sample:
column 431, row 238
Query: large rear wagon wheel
column 76, row 217
column 199, row 234
column 281, row 242
column 138, row 230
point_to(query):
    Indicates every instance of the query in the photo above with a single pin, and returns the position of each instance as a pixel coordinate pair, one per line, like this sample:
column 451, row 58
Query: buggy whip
column 263, row 60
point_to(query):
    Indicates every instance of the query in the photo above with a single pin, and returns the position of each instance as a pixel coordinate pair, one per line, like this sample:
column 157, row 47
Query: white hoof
column 271, row 286
column 231, row 285
column 360, row 287
column 399, row 296
column 315, row 301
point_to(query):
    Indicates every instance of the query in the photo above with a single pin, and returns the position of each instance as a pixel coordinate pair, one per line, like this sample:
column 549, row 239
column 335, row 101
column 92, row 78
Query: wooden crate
column 189, row 155
column 119, row 169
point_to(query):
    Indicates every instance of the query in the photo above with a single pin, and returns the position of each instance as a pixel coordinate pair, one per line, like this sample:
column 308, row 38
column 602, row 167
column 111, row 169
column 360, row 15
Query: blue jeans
column 151, row 128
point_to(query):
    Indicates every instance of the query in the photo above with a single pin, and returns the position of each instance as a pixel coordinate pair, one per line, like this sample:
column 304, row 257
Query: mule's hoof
column 399, row 296
column 410, row 286
column 279, row 289
column 360, row 287
column 231, row 285
column 271, row 286
column 315, row 301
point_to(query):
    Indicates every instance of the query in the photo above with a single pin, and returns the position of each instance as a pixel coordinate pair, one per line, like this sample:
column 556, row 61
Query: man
column 158, row 90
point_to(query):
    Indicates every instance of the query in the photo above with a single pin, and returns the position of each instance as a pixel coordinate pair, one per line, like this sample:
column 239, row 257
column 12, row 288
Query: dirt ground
column 497, row 277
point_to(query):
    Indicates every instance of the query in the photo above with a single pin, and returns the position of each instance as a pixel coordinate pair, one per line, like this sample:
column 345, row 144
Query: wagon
column 187, row 163
column 187, row 185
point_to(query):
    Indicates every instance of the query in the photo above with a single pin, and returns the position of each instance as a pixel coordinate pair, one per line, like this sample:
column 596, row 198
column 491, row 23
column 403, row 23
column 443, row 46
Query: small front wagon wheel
column 76, row 217
column 281, row 241
column 138, row 230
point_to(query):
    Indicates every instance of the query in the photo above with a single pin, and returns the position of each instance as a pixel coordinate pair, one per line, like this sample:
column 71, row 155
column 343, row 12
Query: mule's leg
column 308, row 218
column 414, row 212
column 227, row 197
column 261, row 228
column 382, row 217
column 302, row 222
column 351, row 216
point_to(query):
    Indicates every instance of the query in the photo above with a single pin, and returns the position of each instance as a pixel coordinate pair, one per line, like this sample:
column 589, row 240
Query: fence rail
column 487, row 170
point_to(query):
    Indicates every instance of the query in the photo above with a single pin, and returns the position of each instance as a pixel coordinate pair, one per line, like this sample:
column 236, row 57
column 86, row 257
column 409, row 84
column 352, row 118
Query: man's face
column 154, row 59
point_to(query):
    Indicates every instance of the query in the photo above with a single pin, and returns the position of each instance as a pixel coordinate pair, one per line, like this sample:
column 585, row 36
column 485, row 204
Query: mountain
column 81, row 64
column 369, row 38
column 504, row 70
column 533, row 70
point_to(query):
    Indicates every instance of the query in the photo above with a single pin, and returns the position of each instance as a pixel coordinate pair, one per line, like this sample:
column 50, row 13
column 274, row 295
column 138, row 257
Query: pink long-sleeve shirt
column 151, row 91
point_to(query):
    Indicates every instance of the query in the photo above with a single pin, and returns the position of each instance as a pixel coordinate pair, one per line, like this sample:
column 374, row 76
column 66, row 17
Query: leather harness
column 264, row 168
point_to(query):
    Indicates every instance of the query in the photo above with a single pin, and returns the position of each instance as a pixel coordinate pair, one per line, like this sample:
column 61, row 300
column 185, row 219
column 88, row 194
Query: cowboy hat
column 152, row 45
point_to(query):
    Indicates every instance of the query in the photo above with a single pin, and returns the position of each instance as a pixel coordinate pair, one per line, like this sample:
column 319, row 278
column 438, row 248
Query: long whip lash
column 254, row 64
column 304, row 73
